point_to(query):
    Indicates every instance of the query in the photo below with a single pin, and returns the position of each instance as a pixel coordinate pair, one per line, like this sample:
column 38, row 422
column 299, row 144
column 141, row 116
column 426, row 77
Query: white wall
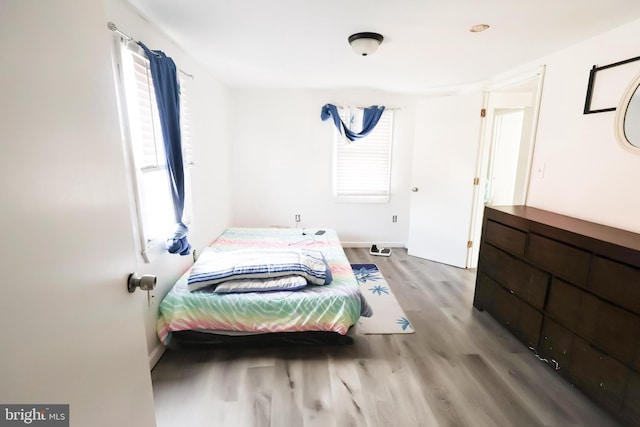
column 586, row 173
column 282, row 164
column 208, row 102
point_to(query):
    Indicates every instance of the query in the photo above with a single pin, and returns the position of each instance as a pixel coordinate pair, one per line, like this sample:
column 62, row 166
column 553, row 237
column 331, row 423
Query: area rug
column 388, row 317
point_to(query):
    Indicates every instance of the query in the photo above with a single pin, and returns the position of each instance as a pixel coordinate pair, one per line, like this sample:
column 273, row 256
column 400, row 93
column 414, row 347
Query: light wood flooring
column 460, row 368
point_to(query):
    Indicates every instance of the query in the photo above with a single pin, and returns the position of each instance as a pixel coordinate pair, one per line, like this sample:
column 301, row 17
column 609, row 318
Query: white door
column 71, row 333
column 446, row 144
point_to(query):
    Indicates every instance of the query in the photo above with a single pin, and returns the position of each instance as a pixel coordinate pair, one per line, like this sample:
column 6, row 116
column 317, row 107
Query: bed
column 312, row 314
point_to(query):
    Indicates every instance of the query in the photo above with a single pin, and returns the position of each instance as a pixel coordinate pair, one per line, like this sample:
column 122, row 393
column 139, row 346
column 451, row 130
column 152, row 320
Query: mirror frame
column 621, row 112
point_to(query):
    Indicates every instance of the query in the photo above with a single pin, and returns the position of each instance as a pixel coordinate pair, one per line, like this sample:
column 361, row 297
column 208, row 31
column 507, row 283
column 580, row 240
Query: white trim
column 361, row 199
column 534, row 127
column 511, row 81
column 155, row 354
column 128, row 147
column 368, row 244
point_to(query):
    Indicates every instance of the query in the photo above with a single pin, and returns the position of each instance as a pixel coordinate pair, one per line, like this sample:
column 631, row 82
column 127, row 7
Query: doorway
column 504, row 180
column 506, row 151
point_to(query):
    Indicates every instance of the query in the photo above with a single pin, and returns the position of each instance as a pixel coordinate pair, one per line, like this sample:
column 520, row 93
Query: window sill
column 154, row 249
column 362, row 199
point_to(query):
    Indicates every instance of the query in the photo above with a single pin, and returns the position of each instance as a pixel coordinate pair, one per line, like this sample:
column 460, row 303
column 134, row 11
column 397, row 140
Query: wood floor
column 460, row 368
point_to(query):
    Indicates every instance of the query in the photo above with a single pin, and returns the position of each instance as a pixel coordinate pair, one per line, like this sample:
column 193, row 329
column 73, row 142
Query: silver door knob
column 146, row 282
column 414, row 189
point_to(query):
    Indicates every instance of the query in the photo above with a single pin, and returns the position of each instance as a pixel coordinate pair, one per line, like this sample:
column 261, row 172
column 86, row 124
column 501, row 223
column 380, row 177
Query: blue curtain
column 166, row 85
column 370, row 119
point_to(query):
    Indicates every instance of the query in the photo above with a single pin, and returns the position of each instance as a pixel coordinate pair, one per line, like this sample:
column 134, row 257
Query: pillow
column 215, row 267
column 285, row 283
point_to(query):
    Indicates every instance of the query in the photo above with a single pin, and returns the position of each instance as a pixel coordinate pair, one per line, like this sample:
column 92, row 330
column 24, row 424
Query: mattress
column 333, row 308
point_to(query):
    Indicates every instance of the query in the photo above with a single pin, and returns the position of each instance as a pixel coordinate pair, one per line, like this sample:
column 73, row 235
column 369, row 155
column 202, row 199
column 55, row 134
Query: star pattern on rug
column 367, row 274
column 379, row 290
column 404, row 322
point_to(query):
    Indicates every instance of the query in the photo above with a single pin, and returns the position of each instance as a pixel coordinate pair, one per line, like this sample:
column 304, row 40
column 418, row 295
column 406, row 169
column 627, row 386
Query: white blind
column 151, row 146
column 150, row 149
column 363, row 168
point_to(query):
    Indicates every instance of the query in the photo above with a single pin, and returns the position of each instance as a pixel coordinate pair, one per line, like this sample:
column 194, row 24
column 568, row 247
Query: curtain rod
column 112, row 27
column 357, row 106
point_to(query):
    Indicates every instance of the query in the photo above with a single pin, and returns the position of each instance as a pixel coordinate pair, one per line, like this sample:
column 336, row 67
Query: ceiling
column 427, row 43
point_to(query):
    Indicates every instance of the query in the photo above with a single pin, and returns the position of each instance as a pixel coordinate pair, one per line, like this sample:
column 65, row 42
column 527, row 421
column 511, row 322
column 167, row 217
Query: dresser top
column 604, row 233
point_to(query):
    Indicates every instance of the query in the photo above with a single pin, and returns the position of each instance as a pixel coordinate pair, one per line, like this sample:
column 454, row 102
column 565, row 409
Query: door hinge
column 476, row 181
column 469, row 244
column 483, row 112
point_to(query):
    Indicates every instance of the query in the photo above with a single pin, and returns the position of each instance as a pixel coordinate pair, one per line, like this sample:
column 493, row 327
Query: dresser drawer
column 527, row 282
column 609, row 327
column 504, row 237
column 484, row 294
column 555, row 346
column 564, row 303
column 616, row 282
column 506, row 309
column 529, row 326
column 598, row 375
column 564, row 260
column 519, row 318
column 631, row 404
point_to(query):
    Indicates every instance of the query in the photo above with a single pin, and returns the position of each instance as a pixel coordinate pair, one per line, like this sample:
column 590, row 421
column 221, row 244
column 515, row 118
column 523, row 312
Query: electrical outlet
column 394, row 218
column 297, row 217
column 540, row 170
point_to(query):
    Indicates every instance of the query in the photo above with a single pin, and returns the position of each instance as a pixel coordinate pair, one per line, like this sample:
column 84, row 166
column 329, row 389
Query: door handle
column 415, row 189
column 146, row 282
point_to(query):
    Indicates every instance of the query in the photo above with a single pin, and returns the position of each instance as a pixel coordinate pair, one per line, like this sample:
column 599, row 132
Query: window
column 362, row 169
column 142, row 124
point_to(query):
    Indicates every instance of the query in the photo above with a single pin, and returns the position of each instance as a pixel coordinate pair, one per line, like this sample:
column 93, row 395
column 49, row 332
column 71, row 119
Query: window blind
column 362, row 169
column 150, row 149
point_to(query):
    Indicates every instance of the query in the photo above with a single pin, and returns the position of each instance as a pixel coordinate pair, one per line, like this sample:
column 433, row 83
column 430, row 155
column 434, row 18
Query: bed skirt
column 195, row 339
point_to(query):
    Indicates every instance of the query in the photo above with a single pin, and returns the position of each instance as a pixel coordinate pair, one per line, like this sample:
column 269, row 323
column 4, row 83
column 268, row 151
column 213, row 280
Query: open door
column 447, row 137
column 72, row 333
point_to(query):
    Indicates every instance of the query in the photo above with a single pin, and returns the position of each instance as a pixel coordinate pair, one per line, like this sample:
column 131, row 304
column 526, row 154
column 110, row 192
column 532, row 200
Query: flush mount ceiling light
column 479, row 28
column 365, row 43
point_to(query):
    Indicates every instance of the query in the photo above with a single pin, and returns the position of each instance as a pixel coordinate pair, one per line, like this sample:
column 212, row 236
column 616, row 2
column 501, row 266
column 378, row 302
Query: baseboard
column 368, row 244
column 155, row 355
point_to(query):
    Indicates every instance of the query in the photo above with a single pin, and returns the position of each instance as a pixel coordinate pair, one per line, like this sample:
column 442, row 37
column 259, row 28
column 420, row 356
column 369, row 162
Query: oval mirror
column 628, row 117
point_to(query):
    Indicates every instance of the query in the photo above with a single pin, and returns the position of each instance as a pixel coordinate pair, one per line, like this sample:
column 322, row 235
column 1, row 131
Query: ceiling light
column 365, row 43
column 479, row 28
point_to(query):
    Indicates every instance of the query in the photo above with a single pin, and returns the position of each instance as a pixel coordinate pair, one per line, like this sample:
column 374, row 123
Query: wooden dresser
column 570, row 290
